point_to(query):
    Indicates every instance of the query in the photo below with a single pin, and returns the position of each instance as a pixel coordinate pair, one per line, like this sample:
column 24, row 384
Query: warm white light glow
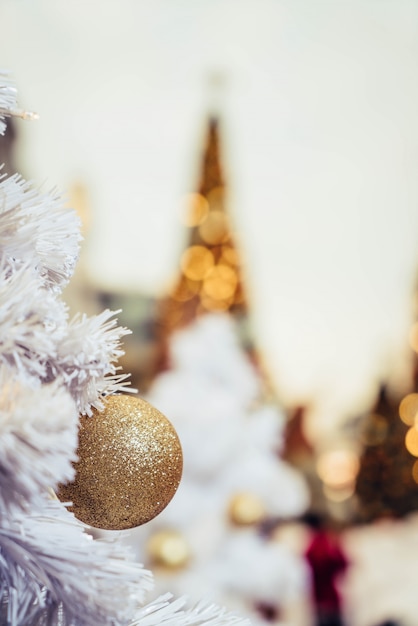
column 197, row 262
column 220, row 282
column 338, row 495
column 411, row 441
column 408, row 409
column 194, row 210
column 338, row 468
column 214, row 229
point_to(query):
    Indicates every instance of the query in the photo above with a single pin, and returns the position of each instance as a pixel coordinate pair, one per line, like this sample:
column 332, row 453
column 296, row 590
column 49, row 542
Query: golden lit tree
column 210, row 270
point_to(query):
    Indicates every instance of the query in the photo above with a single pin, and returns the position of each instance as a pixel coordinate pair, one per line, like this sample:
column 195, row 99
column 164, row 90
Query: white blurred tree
column 52, row 572
column 234, row 482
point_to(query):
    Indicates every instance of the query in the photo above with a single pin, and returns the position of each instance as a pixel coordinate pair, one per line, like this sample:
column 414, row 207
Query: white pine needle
column 165, row 610
column 38, row 439
column 50, row 567
column 37, row 230
column 7, row 98
column 86, row 359
column 31, row 321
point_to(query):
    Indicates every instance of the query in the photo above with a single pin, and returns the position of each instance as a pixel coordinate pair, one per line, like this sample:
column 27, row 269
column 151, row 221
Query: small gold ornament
column 246, row 509
column 168, row 548
column 130, row 465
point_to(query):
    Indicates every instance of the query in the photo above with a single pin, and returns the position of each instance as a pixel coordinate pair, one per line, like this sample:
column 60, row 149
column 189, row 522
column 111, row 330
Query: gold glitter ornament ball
column 130, row 465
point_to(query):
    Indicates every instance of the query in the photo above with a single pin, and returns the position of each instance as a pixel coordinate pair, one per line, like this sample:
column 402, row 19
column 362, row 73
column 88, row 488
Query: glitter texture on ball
column 129, row 468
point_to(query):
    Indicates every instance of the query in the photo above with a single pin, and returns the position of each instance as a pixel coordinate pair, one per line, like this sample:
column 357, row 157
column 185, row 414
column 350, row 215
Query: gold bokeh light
column 220, row 282
column 168, row 548
column 196, row 262
column 216, row 198
column 338, row 468
column 229, row 256
column 411, row 441
column 246, row 509
column 185, row 289
column 195, row 209
column 215, row 229
column 413, row 337
column 408, row 409
column 210, row 304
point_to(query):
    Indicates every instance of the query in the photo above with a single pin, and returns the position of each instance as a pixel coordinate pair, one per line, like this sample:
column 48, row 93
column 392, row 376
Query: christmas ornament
column 168, row 548
column 130, row 465
column 246, row 509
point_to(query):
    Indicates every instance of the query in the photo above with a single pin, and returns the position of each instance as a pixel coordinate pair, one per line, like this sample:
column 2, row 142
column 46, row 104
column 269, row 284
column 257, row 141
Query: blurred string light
column 408, row 407
column 338, row 471
column 408, row 412
column 196, row 262
column 220, row 283
column 212, row 263
column 411, row 441
column 215, row 228
column 195, row 209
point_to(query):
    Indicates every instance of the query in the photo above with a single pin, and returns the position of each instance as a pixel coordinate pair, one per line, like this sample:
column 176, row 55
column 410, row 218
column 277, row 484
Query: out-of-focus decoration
column 246, row 509
column 338, row 469
column 168, row 548
column 328, row 563
column 408, row 409
column 129, row 465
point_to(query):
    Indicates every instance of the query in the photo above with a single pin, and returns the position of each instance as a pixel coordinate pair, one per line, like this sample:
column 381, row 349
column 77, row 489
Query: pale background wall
column 318, row 102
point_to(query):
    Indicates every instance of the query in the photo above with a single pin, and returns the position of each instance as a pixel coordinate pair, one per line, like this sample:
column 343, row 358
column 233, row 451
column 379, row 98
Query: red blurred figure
column 327, row 563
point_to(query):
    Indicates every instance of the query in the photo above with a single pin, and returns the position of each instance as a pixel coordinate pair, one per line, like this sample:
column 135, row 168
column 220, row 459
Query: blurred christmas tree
column 52, row 571
column 387, row 482
column 385, row 486
column 236, row 490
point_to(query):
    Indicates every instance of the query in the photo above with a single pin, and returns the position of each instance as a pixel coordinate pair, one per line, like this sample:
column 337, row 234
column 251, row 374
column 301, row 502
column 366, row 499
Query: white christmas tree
column 210, row 543
column 52, row 369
